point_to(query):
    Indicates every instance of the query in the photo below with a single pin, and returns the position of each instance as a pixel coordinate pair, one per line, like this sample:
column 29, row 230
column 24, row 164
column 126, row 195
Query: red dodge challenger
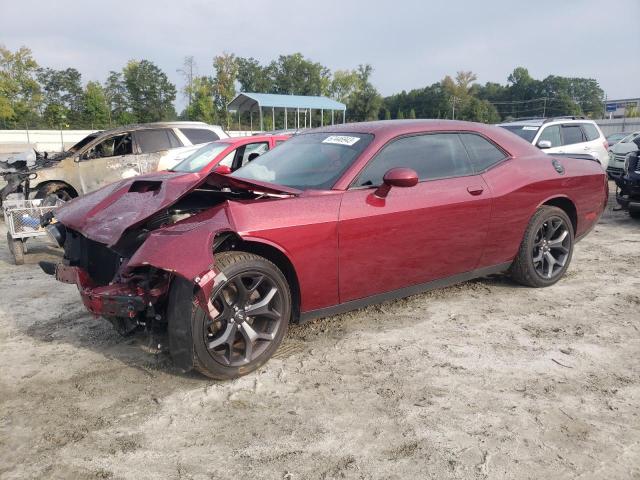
column 332, row 220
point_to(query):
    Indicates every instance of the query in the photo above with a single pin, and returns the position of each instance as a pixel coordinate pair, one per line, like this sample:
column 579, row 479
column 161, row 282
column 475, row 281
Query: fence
column 619, row 125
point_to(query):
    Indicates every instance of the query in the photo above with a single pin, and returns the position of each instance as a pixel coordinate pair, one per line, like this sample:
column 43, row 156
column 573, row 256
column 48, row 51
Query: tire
column 542, row 242
column 220, row 346
column 16, row 247
column 59, row 191
column 634, row 214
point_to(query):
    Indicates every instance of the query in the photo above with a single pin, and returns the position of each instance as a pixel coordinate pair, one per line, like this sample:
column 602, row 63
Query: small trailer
column 22, row 218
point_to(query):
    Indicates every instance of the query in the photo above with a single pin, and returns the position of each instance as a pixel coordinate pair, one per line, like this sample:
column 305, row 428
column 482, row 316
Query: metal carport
column 256, row 102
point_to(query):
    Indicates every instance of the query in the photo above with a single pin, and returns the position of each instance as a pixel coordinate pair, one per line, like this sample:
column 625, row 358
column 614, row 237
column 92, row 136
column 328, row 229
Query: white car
column 618, row 153
column 563, row 135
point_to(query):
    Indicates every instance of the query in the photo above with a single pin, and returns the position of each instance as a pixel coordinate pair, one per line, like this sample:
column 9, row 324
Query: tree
column 20, row 95
column 253, row 77
column 295, row 75
column 412, row 114
column 95, row 108
column 188, row 71
column 364, row 103
column 150, row 93
column 118, row 101
column 343, row 84
column 400, row 115
column 224, row 89
column 202, row 106
column 62, row 97
column 387, row 114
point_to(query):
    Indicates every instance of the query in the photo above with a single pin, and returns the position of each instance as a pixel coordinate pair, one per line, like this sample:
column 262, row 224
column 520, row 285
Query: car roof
column 251, row 139
column 538, row 122
column 144, row 126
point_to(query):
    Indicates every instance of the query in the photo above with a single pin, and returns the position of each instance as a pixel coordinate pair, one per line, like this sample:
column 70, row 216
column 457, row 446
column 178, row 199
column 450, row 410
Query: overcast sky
column 410, row 43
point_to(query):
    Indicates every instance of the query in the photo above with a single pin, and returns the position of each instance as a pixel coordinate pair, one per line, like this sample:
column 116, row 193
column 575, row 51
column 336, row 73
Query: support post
column 322, row 117
column 261, row 123
column 331, row 116
column 344, row 116
column 251, row 120
column 273, row 118
column 285, row 118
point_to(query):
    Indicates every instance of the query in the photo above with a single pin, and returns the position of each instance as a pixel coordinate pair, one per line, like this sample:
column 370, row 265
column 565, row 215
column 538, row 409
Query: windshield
column 630, row 138
column 200, row 158
column 528, row 132
column 309, row 161
column 82, row 142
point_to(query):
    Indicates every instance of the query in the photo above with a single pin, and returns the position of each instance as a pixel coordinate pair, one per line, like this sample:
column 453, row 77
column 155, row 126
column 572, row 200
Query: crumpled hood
column 105, row 214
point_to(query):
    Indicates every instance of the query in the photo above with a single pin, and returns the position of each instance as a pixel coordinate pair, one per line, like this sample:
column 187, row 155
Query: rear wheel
column 252, row 308
column 17, row 249
column 546, row 249
column 59, row 191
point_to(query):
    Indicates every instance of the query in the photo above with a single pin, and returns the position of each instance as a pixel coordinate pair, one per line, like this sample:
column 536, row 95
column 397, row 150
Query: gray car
column 110, row 155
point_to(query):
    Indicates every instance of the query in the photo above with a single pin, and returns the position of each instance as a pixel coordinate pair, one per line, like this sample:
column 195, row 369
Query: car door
column 415, row 235
column 158, row 149
column 243, row 155
column 551, row 134
column 110, row 159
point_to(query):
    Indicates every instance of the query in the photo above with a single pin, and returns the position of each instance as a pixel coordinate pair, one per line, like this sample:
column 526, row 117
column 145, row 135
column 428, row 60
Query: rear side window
column 571, row 134
column 199, row 135
column 482, row 152
column 432, row 156
column 151, row 141
column 590, row 131
column 551, row 134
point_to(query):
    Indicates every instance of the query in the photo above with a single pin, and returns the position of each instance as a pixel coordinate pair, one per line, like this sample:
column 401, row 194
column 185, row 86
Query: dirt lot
column 481, row 380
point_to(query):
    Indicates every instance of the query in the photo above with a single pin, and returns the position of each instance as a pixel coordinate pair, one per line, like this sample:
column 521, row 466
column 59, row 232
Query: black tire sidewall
column 203, row 360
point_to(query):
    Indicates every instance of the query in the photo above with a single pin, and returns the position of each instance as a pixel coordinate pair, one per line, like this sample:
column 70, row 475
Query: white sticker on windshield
column 530, row 128
column 341, row 140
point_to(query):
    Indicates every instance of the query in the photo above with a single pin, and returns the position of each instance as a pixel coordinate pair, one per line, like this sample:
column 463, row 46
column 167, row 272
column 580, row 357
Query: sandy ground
column 482, row 380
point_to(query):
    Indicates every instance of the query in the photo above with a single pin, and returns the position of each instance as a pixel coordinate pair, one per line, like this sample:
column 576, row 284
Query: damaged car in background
column 104, row 157
column 332, row 220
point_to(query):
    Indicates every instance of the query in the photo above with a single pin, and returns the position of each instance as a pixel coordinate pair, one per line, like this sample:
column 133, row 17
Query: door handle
column 475, row 189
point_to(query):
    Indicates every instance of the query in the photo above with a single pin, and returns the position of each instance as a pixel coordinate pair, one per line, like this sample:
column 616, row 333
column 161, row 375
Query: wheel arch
column 567, row 206
column 226, row 241
column 52, row 185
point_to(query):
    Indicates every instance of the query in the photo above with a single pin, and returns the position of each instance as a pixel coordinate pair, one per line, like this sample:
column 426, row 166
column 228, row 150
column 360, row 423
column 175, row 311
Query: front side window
column 432, row 156
column 551, row 134
column 307, row 161
column 571, row 134
column 111, row 147
column 252, row 151
column 482, row 153
column 157, row 140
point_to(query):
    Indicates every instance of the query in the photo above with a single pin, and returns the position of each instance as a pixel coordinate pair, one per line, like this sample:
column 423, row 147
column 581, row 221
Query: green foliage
column 150, row 93
column 201, row 107
column 253, row 77
column 20, row 94
column 95, row 108
column 412, row 113
column 387, row 114
column 295, row 75
column 226, row 70
column 364, row 102
column 62, row 97
column 400, row 115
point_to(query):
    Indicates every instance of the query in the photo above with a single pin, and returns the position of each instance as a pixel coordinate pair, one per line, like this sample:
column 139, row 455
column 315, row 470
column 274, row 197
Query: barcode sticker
column 341, row 140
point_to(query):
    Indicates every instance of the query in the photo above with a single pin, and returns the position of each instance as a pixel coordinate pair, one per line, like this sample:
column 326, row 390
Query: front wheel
column 546, row 249
column 253, row 306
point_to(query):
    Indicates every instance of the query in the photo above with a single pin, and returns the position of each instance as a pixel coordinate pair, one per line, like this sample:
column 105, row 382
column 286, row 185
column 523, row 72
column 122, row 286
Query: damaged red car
column 334, row 219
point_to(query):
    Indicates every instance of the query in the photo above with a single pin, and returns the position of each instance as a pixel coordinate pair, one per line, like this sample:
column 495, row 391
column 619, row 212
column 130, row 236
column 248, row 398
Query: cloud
column 410, row 43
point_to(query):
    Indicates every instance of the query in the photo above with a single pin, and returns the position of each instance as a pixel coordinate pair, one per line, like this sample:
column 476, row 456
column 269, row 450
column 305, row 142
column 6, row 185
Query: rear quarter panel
column 521, row 185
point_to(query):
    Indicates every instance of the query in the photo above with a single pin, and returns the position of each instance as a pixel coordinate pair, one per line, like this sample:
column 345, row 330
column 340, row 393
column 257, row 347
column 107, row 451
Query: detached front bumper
column 115, row 300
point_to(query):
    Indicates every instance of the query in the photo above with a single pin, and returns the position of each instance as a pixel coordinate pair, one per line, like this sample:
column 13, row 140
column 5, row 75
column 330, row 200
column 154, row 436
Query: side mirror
column 544, row 144
column 396, row 177
column 223, row 170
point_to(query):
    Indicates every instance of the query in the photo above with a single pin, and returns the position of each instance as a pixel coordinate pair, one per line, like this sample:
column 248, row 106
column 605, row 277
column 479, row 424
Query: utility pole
column 453, row 101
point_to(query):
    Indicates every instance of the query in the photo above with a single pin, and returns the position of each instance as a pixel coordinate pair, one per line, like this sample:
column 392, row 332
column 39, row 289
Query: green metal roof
column 245, row 102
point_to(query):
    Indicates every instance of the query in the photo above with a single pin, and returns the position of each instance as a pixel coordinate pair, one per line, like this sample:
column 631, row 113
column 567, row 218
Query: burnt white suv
column 564, row 135
column 110, row 155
